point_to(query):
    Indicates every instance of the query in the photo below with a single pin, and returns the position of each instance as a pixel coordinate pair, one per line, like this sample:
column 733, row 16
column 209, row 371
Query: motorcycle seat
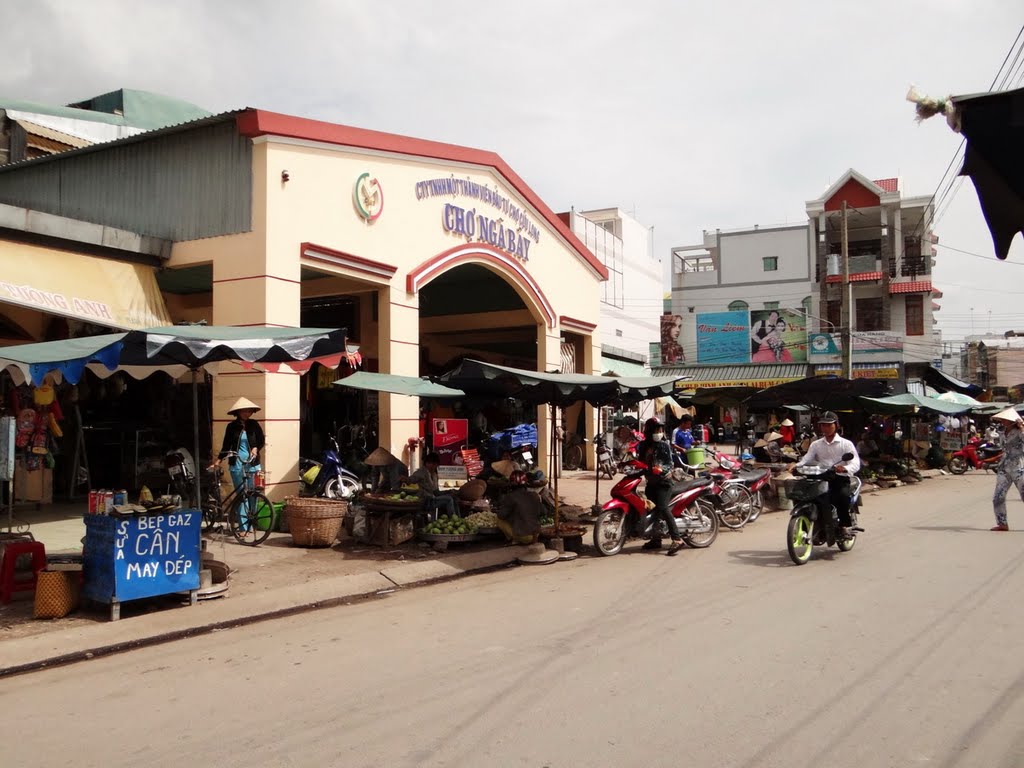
column 753, row 474
column 686, row 485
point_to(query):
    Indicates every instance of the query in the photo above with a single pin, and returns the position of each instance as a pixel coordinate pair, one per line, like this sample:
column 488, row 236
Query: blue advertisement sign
column 723, row 337
column 127, row 558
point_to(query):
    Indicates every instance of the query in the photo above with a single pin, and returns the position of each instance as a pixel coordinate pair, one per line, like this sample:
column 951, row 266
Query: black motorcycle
column 814, row 521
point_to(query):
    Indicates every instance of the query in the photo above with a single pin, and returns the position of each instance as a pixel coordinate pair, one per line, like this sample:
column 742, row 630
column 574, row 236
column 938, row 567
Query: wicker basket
column 56, row 594
column 314, row 522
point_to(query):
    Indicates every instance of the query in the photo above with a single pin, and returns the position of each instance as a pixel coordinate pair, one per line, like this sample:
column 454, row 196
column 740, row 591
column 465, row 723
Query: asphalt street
column 903, row 652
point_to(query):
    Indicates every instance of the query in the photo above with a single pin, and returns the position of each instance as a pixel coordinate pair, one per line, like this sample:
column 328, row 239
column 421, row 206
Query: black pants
column 839, row 497
column 660, row 492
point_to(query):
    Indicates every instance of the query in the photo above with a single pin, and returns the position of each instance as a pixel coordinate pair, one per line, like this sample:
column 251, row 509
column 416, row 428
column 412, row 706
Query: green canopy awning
column 908, row 403
column 398, row 385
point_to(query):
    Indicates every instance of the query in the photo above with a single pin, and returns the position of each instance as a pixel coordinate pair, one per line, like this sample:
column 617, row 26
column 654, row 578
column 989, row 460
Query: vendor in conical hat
column 788, row 431
column 243, row 437
column 388, row 470
column 768, row 449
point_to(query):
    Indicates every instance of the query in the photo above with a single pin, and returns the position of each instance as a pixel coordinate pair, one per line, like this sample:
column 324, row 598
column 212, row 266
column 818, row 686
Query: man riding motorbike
column 828, row 451
column 656, row 452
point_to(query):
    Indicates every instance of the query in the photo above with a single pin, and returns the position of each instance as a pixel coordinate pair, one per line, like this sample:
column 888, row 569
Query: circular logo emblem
column 369, row 197
column 820, row 343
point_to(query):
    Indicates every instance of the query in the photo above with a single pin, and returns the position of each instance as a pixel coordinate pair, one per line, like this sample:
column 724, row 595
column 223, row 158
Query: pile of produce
column 483, row 519
column 450, row 525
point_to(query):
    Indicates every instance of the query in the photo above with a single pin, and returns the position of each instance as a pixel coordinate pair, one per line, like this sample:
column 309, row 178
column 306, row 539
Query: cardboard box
column 400, row 530
column 33, row 486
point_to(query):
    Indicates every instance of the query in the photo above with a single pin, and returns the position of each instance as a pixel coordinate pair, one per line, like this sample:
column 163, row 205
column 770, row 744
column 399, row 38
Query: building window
column 771, row 305
column 915, row 315
column 771, row 263
column 618, row 332
column 738, row 306
column 869, row 315
column 913, row 261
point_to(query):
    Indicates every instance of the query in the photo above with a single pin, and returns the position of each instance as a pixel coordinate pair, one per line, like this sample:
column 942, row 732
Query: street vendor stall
column 153, row 548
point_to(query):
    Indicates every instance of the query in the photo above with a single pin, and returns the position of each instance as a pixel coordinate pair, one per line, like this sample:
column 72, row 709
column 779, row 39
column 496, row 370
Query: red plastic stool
column 12, row 551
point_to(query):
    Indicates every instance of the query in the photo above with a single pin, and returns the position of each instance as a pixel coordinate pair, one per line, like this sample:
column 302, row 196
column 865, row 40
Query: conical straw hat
column 772, row 436
column 241, row 404
column 1009, row 414
column 381, row 457
column 538, row 554
column 787, row 423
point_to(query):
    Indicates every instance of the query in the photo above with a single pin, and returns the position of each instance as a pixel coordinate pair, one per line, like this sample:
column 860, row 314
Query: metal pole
column 554, row 443
column 197, row 461
column 847, row 303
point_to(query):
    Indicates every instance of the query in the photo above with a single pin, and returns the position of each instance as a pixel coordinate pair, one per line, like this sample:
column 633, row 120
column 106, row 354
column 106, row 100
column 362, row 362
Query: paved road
column 904, row 652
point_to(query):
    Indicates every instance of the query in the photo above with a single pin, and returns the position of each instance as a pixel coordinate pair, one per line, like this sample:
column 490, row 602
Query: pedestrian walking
column 1010, row 470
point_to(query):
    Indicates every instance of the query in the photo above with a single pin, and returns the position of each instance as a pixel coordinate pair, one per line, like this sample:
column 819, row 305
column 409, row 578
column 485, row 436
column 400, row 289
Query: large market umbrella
column 398, row 385
column 172, row 349
column 555, row 389
column 909, row 403
column 825, row 392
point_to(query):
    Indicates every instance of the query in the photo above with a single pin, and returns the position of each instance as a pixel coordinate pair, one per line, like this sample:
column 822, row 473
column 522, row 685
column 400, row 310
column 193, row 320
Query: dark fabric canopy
column 477, row 378
column 943, row 382
column 993, row 126
column 825, row 392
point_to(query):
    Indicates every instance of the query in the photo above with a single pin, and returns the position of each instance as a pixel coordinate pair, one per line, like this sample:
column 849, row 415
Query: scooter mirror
column 847, row 456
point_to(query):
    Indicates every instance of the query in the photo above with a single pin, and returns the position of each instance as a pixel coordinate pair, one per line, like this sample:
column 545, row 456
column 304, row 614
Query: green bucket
column 267, row 517
column 695, row 456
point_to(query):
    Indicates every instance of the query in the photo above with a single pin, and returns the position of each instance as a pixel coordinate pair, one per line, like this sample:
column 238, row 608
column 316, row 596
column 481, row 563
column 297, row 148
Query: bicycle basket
column 805, row 488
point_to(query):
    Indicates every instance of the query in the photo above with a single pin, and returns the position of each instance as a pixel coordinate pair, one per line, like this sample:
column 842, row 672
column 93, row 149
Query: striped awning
column 715, row 376
column 856, row 277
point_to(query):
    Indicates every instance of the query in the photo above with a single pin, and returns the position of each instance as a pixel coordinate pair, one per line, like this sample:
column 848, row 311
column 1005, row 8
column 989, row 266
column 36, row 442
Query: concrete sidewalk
column 272, row 580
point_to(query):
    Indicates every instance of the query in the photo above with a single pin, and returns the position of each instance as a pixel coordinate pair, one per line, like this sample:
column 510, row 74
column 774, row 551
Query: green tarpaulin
column 398, row 385
column 910, row 403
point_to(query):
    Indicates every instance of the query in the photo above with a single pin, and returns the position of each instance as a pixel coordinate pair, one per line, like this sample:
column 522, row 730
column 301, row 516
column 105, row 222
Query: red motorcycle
column 975, row 455
column 626, row 515
column 755, row 480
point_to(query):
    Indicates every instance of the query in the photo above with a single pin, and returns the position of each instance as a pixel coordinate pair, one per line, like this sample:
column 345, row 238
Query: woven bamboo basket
column 314, row 522
column 56, row 594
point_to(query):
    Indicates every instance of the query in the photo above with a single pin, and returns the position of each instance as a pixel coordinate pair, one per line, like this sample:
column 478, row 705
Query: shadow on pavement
column 957, row 529
column 776, row 558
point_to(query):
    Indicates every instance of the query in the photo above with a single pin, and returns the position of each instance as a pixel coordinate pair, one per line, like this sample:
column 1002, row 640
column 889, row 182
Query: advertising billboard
column 671, row 350
column 723, row 337
column 778, row 336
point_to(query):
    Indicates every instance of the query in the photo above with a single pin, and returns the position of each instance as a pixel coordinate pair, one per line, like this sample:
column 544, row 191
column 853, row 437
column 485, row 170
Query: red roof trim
column 571, row 323
column 918, row 286
column 258, row 122
column 888, row 185
column 855, row 277
column 340, row 258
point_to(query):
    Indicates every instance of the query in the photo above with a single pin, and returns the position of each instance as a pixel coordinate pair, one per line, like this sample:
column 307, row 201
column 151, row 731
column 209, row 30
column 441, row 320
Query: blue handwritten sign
column 127, row 558
column 723, row 337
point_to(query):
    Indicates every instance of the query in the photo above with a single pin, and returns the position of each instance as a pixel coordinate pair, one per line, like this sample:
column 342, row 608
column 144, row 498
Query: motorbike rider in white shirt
column 828, row 451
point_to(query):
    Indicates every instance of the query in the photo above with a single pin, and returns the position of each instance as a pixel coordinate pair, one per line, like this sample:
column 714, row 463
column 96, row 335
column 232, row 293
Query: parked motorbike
column 605, row 463
column 327, row 478
column 626, row 515
column 524, row 456
column 755, row 481
column 975, row 455
column 814, row 521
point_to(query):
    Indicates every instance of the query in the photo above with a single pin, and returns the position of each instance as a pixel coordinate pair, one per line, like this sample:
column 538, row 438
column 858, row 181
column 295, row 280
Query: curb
column 391, row 580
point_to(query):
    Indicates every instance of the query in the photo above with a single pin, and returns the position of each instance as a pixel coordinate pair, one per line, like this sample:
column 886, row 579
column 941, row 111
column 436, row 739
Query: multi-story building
column 632, row 295
column 995, row 363
column 763, row 305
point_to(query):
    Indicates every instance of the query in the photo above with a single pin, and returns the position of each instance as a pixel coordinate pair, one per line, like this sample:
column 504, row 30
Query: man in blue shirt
column 682, row 437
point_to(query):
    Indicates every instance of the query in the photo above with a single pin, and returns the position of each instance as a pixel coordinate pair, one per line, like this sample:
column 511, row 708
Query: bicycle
column 248, row 513
column 736, row 504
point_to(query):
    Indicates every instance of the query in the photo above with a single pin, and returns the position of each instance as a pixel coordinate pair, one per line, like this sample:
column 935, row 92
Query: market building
column 761, row 306
column 427, row 252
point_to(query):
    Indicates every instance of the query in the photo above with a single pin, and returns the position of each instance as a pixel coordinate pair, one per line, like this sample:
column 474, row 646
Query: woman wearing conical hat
column 1010, row 470
column 243, row 436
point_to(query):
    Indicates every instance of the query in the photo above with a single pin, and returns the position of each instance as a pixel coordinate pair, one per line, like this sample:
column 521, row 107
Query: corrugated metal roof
column 141, row 109
column 48, row 133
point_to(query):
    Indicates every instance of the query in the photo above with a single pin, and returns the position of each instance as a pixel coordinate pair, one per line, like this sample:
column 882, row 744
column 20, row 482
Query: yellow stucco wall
column 257, row 277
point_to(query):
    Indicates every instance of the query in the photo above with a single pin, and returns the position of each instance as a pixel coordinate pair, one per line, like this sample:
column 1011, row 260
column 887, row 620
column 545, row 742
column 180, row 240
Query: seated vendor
column 520, row 511
column 867, row 448
column 434, row 499
column 769, row 451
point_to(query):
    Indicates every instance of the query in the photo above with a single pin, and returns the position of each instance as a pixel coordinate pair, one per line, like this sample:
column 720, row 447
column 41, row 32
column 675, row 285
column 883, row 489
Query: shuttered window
column 915, row 315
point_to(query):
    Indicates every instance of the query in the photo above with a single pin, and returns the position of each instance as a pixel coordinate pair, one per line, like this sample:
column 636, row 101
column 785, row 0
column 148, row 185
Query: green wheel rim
column 802, row 544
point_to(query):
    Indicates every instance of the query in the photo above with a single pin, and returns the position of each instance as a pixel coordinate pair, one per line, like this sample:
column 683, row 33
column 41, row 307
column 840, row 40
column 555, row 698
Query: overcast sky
column 690, row 115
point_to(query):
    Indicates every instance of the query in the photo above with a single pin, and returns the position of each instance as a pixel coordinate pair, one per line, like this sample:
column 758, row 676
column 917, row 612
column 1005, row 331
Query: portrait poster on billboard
column 723, row 337
column 778, row 336
column 671, row 349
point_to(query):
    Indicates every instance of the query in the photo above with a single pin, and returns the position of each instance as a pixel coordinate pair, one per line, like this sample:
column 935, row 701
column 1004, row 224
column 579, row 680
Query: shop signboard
column 7, row 448
column 692, row 386
column 880, row 372
column 671, row 349
column 778, row 336
column 828, row 347
column 450, row 436
column 723, row 337
column 654, row 353
column 127, row 558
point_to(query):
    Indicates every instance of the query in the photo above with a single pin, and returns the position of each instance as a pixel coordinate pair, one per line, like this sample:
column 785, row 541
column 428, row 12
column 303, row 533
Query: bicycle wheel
column 737, row 505
column 251, row 518
column 573, row 457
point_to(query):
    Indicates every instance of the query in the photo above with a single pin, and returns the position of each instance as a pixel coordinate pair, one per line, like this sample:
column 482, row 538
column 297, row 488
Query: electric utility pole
column 846, row 314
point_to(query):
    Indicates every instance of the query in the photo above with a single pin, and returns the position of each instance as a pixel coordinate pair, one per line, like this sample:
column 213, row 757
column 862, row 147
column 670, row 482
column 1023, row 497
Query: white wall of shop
column 630, row 319
column 742, row 254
